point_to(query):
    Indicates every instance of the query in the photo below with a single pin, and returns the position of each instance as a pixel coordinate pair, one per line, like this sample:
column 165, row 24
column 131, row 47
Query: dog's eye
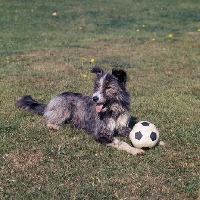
column 108, row 87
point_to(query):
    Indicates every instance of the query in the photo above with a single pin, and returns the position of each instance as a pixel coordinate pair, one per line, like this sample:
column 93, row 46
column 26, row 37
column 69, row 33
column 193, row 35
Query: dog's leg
column 124, row 131
column 53, row 126
column 124, row 146
column 161, row 143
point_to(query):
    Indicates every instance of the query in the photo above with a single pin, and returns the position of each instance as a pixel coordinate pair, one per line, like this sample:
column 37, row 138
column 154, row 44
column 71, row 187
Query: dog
column 104, row 114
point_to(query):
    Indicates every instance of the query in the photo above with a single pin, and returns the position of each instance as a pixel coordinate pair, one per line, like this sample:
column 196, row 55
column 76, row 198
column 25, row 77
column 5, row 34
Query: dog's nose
column 95, row 98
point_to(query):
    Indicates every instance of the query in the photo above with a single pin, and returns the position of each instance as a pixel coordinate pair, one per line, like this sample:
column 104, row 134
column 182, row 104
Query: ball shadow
column 132, row 122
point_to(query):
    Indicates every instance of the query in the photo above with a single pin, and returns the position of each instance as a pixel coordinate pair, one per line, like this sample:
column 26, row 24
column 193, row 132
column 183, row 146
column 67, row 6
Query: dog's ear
column 97, row 70
column 120, row 75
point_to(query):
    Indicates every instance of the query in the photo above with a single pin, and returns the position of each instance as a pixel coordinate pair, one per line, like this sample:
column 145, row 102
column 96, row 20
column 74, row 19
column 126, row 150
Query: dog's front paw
column 137, row 151
column 53, row 127
column 126, row 147
column 161, row 143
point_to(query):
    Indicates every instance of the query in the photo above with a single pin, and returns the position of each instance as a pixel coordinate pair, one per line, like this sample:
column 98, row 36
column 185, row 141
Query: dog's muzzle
column 99, row 106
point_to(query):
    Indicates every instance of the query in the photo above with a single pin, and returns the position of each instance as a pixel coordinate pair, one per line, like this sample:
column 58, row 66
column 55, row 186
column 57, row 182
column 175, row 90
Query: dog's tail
column 27, row 103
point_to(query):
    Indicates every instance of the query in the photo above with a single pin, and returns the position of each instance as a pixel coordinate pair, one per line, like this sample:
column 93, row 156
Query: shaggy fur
column 104, row 114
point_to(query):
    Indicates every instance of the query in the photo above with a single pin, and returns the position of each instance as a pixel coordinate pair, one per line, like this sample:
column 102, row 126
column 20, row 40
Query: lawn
column 47, row 47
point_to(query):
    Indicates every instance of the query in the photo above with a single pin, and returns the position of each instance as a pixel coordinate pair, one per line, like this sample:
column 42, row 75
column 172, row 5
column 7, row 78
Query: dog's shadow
column 132, row 122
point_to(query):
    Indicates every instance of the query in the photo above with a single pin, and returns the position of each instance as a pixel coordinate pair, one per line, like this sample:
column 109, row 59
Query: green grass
column 42, row 55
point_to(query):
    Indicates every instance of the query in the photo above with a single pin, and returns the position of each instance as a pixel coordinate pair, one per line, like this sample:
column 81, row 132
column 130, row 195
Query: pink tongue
column 98, row 108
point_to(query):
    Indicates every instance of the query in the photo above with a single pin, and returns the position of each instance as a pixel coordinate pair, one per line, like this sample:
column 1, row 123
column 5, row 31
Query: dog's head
column 109, row 87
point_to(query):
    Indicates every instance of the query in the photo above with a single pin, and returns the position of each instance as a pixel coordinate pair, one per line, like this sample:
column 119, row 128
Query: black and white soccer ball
column 144, row 135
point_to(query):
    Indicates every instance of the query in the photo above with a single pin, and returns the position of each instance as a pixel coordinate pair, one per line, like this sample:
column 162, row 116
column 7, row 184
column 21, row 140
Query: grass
column 43, row 54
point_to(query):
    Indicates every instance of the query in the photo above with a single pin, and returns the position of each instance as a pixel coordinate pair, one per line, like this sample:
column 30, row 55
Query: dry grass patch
column 26, row 161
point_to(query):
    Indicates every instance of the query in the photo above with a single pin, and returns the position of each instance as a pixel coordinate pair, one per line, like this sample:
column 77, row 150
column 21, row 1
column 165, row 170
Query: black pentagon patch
column 145, row 123
column 138, row 135
column 153, row 136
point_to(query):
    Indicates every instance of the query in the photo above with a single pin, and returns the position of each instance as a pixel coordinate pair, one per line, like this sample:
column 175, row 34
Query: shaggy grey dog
column 104, row 114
